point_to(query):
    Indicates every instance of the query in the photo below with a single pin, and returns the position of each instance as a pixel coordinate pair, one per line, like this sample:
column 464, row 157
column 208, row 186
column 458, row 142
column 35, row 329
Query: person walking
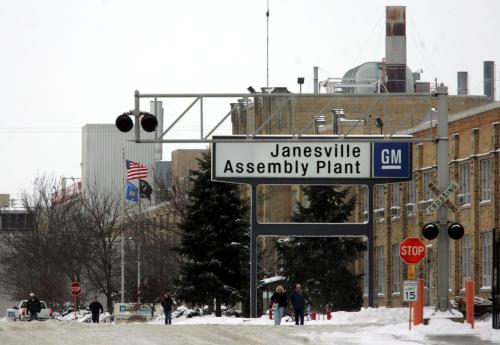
column 34, row 307
column 281, row 302
column 299, row 301
column 166, row 304
column 96, row 308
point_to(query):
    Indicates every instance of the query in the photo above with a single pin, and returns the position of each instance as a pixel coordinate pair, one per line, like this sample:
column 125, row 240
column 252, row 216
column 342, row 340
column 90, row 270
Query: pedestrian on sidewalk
column 34, row 307
column 299, row 301
column 280, row 303
column 96, row 308
column 166, row 304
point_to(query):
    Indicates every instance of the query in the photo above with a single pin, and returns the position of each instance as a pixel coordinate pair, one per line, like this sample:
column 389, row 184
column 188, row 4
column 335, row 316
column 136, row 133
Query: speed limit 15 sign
column 410, row 292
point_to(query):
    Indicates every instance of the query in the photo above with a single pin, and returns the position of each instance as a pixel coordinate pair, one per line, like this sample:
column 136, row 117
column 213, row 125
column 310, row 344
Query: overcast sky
column 67, row 63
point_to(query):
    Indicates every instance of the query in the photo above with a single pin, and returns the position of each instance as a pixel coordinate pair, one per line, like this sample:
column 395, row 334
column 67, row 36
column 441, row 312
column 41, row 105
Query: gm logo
column 391, row 160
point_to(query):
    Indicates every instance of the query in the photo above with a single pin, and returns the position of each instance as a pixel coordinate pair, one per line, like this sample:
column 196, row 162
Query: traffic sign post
column 412, row 250
column 75, row 289
column 410, row 294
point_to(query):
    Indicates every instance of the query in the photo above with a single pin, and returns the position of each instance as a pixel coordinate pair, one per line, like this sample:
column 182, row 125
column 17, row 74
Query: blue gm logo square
column 392, row 160
column 123, row 308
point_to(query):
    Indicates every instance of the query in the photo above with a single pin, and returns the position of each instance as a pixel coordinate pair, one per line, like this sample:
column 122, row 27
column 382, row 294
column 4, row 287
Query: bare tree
column 99, row 218
column 31, row 260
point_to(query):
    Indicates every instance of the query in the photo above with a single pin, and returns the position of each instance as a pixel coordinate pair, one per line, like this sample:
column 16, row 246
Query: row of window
column 486, row 265
column 428, row 195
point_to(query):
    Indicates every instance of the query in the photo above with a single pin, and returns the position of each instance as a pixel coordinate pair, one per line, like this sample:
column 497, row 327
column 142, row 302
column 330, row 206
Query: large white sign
column 293, row 160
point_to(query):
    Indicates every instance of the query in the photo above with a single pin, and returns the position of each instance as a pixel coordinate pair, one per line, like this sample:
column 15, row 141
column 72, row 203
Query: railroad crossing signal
column 442, row 197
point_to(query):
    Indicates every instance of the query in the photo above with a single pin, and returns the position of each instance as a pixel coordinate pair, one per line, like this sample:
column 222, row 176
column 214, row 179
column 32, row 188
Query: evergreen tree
column 214, row 242
column 322, row 264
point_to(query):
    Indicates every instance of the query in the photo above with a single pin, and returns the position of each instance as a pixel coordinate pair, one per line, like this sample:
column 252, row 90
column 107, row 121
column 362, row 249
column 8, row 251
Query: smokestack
column 316, row 85
column 395, row 48
column 462, row 83
column 489, row 80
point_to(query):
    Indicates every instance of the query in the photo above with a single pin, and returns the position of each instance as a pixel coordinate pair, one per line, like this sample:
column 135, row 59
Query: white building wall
column 102, row 158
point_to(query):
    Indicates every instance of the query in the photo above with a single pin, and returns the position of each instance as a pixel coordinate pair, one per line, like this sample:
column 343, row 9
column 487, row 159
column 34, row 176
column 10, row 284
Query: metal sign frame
column 308, row 229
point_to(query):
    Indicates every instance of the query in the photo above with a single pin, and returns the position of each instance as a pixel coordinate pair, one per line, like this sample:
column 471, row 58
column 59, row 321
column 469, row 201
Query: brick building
column 474, row 162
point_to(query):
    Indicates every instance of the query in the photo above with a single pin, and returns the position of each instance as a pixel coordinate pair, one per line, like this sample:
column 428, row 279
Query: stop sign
column 75, row 289
column 412, row 250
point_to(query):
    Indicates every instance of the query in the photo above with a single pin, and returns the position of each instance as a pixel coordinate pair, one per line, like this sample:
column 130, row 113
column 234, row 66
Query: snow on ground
column 382, row 326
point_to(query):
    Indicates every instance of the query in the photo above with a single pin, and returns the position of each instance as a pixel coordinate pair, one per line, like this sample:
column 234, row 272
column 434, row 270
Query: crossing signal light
column 124, row 123
column 456, row 231
column 430, row 231
column 148, row 121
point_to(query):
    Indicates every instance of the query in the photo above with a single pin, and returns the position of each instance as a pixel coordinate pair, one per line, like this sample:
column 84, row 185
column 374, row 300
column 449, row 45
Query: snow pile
column 182, row 312
column 82, row 316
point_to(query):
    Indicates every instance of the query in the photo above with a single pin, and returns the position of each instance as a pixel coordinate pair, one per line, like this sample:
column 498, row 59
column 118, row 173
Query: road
column 66, row 333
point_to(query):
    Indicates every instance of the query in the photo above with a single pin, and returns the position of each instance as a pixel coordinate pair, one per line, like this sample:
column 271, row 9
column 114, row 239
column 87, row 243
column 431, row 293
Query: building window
column 396, row 282
column 428, row 175
column 396, row 200
column 379, row 253
column 464, row 196
column 365, row 272
column 379, row 203
column 365, row 203
column 485, row 179
column 486, row 246
column 450, row 268
column 466, row 265
column 412, row 196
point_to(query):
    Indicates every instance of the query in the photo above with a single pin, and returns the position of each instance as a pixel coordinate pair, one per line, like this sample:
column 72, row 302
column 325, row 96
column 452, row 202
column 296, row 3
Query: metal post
column 371, row 240
column 139, row 247
column 253, row 255
column 122, row 286
column 137, row 111
column 443, row 182
column 316, row 83
column 335, row 125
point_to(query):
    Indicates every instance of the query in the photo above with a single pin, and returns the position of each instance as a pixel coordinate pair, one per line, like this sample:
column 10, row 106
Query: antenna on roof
column 267, row 46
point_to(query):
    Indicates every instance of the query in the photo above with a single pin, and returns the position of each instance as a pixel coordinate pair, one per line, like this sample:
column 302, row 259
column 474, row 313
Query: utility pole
column 443, row 182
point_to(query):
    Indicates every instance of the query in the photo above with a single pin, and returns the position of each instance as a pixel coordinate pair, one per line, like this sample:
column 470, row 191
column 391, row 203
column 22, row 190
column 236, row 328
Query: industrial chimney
column 489, row 80
column 462, row 83
column 395, row 48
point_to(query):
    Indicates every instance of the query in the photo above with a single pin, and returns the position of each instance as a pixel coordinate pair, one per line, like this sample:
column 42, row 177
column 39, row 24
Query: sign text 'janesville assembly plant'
column 311, row 159
column 303, row 159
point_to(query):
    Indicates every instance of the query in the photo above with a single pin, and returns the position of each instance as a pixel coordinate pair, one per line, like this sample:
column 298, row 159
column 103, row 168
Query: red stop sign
column 75, row 289
column 412, row 250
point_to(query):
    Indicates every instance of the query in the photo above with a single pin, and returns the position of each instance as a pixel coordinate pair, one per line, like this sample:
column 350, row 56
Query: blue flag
column 132, row 192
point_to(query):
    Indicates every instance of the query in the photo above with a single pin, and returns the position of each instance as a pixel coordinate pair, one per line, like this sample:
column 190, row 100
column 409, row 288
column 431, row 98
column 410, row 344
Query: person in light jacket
column 280, row 302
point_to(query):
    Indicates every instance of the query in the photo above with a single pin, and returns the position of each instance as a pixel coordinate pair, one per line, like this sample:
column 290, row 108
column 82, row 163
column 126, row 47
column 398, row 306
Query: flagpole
column 138, row 243
column 122, row 299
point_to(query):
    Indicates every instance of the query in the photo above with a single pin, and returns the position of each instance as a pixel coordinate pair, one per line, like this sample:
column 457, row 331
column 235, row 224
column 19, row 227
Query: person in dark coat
column 166, row 304
column 34, row 307
column 281, row 301
column 96, row 308
column 299, row 301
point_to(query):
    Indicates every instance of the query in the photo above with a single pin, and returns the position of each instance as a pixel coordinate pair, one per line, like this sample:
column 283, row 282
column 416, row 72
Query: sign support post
column 443, row 182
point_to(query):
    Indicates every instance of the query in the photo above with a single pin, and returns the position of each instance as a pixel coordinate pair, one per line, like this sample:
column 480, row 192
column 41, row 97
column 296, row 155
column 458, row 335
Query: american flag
column 136, row 170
